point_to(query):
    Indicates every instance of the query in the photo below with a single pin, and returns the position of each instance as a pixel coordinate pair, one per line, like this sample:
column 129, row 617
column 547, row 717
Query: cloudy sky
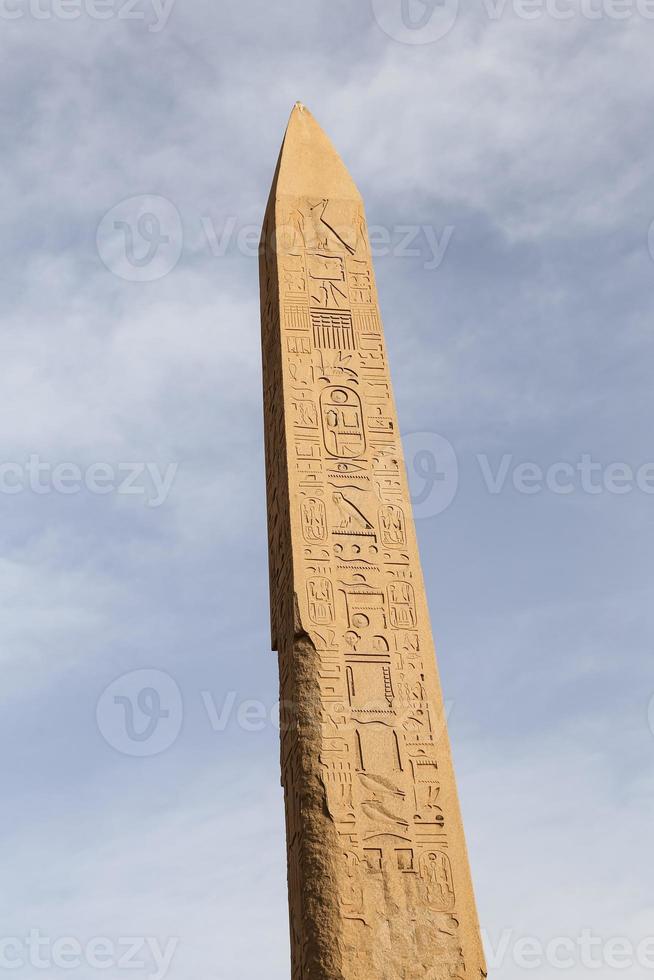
column 506, row 158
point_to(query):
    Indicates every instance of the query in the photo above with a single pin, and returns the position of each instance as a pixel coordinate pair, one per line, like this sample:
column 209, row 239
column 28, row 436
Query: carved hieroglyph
column 379, row 883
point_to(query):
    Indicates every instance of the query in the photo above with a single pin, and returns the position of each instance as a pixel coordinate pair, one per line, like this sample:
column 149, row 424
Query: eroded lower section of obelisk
column 379, row 881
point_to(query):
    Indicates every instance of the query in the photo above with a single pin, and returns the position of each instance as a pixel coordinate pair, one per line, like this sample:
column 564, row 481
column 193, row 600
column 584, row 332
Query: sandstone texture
column 378, row 874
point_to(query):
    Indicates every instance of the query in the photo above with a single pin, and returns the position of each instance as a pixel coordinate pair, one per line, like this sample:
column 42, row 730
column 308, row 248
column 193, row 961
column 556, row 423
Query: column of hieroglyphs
column 379, row 883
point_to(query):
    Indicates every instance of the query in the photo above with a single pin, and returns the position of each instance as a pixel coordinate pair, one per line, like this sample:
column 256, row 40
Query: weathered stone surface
column 379, row 882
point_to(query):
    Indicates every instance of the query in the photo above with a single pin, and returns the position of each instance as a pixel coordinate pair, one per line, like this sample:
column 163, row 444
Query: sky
column 505, row 152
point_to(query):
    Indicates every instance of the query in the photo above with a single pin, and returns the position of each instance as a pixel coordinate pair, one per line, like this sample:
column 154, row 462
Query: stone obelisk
column 379, row 881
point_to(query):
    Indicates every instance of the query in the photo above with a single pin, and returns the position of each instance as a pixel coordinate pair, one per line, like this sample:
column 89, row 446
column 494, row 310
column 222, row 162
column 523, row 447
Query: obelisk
column 378, row 873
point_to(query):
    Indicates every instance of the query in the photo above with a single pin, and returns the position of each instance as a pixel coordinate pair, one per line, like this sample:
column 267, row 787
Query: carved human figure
column 436, row 872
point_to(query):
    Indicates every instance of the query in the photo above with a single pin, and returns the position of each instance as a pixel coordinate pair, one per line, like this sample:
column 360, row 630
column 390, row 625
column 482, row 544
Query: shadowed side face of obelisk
column 379, row 884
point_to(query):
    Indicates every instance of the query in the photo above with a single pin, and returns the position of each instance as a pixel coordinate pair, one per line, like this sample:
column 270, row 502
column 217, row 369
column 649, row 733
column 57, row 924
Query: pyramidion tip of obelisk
column 309, row 164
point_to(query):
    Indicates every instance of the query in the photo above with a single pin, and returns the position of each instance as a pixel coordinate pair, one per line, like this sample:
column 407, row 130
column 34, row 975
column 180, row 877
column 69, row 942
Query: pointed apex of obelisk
column 309, row 163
